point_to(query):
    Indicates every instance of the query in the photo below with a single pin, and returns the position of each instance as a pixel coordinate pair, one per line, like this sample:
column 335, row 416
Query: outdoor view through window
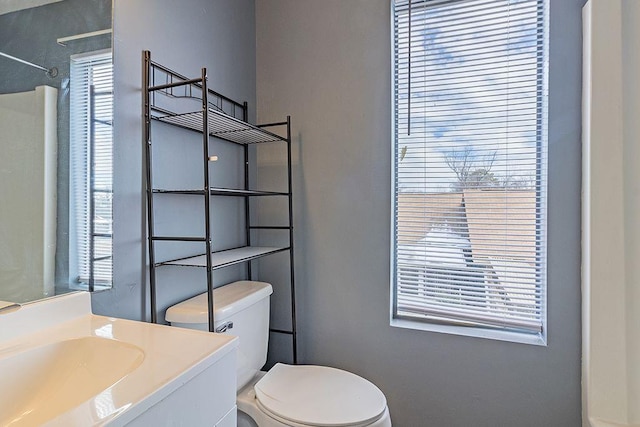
column 470, row 163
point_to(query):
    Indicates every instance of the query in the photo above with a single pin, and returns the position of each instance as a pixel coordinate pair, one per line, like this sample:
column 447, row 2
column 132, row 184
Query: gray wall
column 31, row 34
column 327, row 63
column 184, row 36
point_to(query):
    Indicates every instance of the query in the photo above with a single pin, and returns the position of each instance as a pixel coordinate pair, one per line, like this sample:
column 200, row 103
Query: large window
column 91, row 170
column 469, row 176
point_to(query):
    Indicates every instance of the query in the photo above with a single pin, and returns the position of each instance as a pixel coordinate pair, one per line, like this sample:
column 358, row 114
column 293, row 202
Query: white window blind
column 91, row 152
column 470, row 163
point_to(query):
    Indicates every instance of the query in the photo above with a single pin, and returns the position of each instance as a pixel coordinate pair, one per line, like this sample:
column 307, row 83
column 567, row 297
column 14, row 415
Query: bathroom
column 328, row 64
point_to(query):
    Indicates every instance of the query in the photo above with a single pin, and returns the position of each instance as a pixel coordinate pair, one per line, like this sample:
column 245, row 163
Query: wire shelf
column 220, row 259
column 221, row 125
column 215, row 191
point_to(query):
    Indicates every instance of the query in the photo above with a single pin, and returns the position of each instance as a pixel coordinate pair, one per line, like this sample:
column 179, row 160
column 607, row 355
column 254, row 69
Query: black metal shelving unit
column 225, row 119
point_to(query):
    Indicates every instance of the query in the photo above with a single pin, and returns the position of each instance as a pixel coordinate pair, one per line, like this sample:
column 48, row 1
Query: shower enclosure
column 611, row 214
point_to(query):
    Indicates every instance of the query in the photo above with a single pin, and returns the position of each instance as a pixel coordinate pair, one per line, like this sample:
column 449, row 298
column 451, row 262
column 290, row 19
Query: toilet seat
column 319, row 396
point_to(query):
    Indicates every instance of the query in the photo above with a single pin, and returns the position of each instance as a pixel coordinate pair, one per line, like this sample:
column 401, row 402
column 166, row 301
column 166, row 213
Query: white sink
column 60, row 365
column 40, row 383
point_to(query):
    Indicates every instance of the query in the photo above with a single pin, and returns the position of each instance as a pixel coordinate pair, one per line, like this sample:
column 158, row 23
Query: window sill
column 467, row 331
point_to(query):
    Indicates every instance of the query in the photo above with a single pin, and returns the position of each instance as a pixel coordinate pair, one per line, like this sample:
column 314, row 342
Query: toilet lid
column 319, row 396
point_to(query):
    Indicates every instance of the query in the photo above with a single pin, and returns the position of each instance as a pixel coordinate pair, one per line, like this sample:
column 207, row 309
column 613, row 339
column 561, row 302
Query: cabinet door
column 199, row 402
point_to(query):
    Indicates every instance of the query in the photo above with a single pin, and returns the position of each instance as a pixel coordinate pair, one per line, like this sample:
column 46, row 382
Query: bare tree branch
column 471, row 171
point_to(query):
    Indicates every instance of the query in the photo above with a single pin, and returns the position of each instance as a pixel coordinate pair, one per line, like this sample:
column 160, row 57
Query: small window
column 469, row 176
column 91, row 171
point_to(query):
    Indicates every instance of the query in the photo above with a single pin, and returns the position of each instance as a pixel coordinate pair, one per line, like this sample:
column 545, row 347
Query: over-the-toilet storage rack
column 225, row 119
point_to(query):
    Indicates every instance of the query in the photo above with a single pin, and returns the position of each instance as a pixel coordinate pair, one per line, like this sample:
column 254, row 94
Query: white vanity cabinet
column 207, row 399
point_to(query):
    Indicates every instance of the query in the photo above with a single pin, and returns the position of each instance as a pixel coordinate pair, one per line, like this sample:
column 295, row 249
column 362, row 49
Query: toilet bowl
column 286, row 395
column 308, row 395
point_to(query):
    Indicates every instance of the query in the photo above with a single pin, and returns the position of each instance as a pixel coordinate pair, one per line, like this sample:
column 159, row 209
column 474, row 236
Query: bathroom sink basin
column 41, row 382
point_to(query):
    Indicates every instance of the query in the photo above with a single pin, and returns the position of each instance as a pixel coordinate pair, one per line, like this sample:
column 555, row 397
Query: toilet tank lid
column 227, row 301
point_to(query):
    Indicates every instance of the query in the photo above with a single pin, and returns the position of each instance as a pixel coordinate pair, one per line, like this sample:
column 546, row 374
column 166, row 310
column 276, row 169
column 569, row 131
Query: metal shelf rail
column 225, row 119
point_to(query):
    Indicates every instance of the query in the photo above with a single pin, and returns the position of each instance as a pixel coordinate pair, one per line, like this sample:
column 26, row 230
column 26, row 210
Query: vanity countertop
column 138, row 363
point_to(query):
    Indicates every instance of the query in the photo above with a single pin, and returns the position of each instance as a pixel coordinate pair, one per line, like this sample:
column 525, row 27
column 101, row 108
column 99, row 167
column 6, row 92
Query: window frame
column 463, row 328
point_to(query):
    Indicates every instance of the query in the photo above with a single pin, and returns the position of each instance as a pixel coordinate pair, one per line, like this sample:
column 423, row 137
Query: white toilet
column 286, row 395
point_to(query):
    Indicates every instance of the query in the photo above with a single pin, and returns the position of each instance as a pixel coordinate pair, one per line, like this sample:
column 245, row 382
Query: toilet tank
column 246, row 305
